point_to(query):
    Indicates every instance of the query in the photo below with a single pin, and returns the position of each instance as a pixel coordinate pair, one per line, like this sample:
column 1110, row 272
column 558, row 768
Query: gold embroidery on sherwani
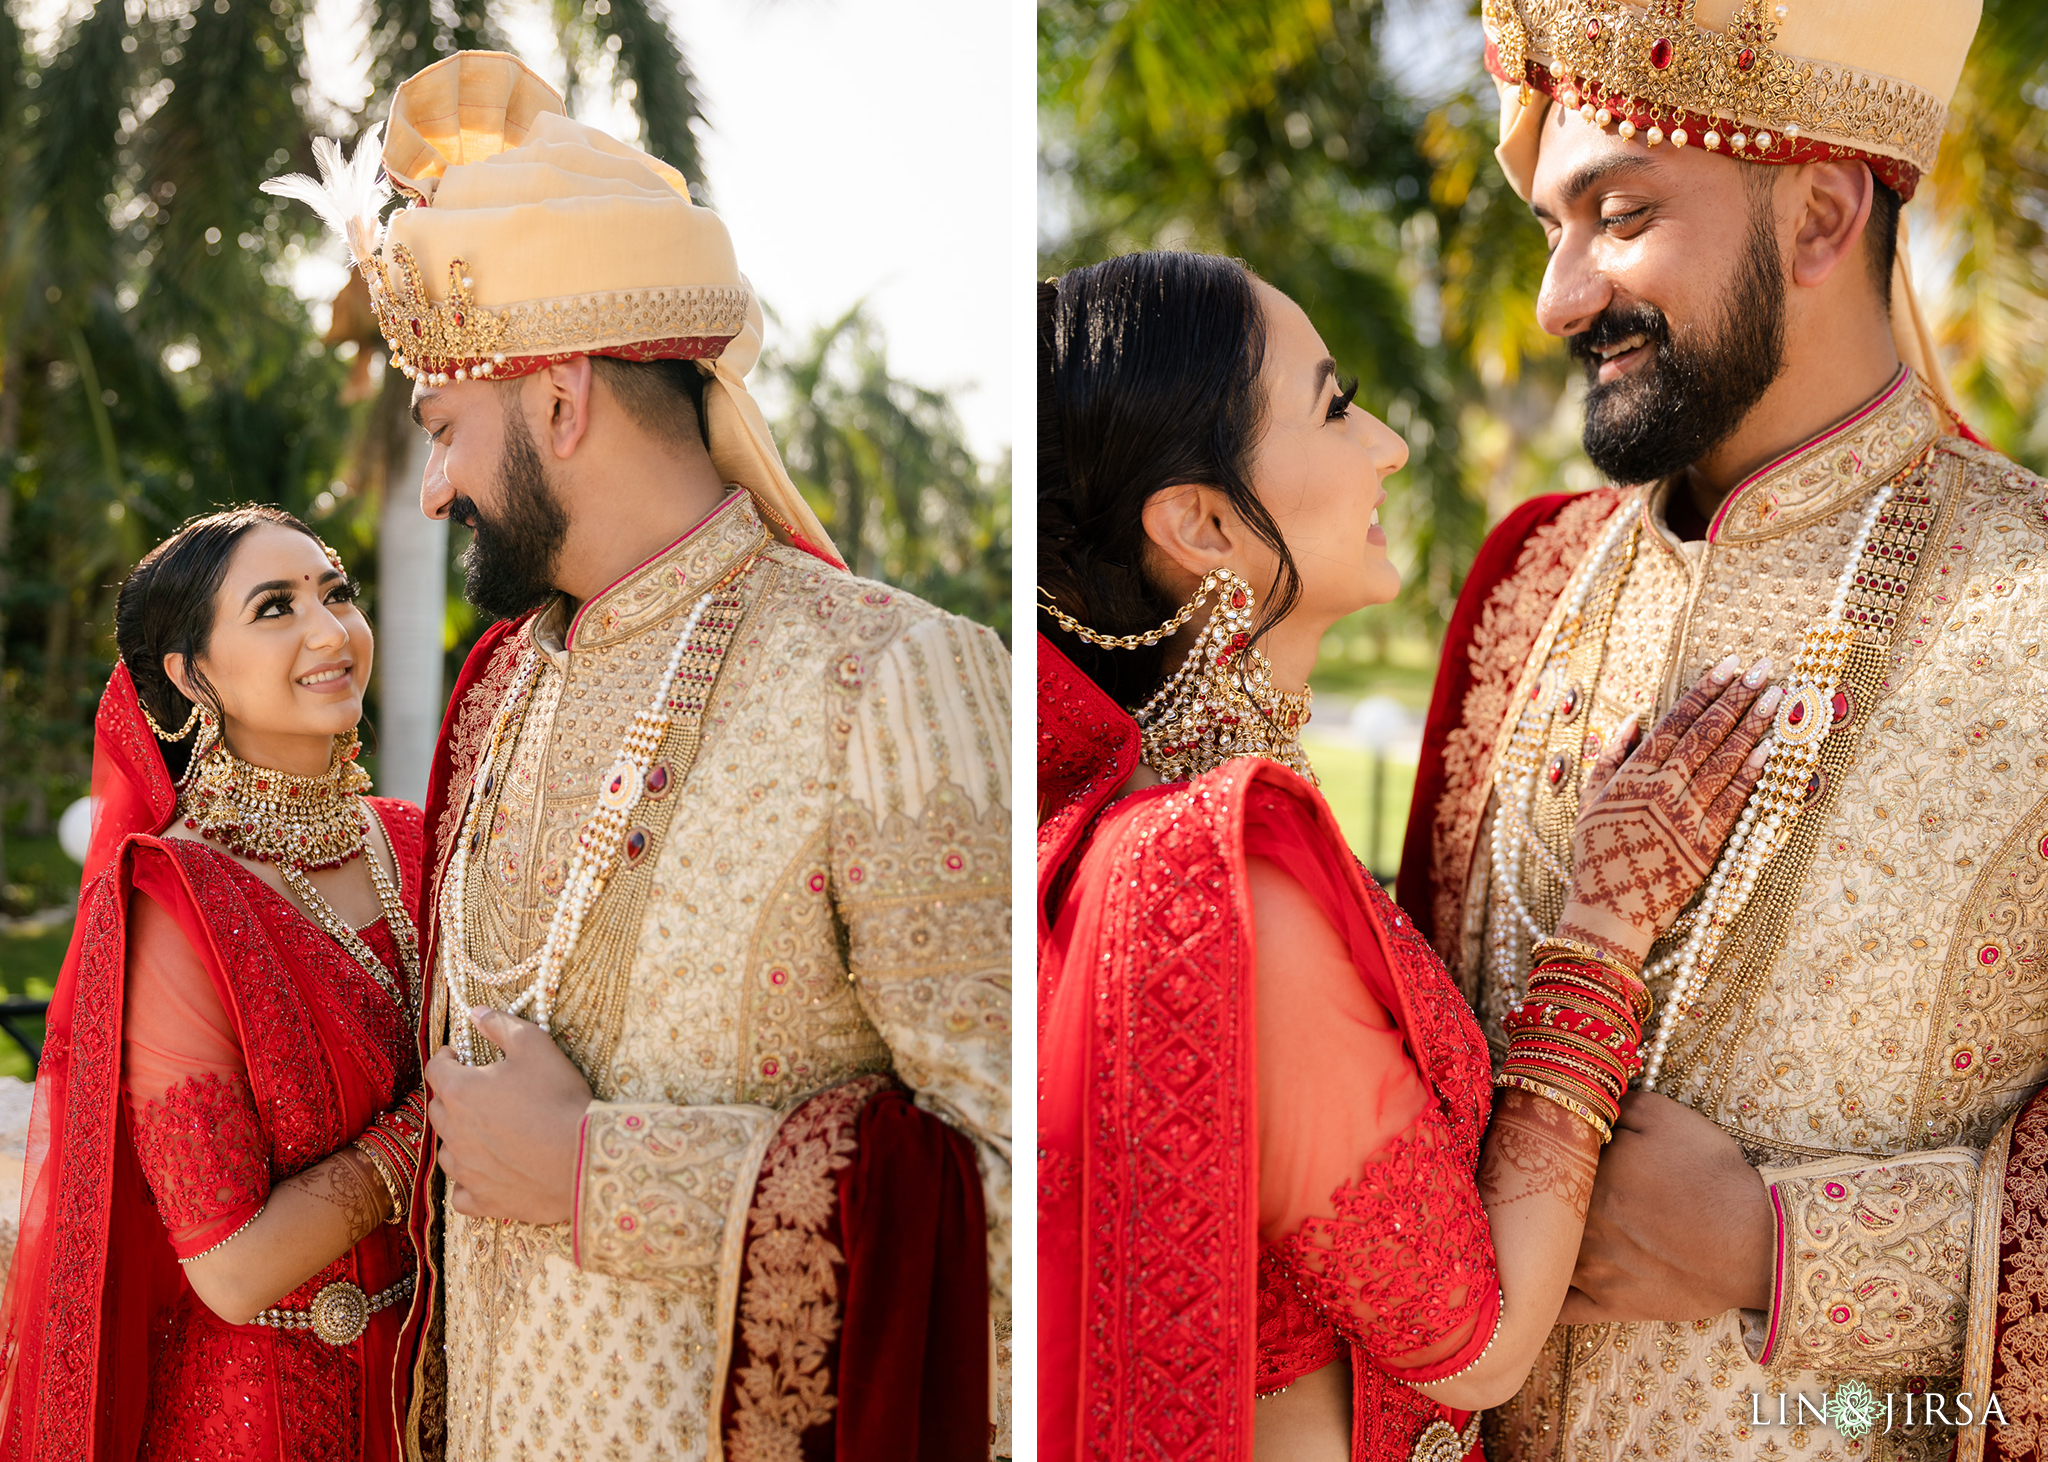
column 1874, row 1269
column 790, row 1313
column 837, row 700
column 1990, row 1020
column 1980, row 1325
column 1832, row 1029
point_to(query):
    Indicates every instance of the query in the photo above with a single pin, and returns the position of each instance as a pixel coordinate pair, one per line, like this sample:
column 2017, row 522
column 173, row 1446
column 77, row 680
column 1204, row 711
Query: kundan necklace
column 298, row 823
column 682, row 691
column 1874, row 580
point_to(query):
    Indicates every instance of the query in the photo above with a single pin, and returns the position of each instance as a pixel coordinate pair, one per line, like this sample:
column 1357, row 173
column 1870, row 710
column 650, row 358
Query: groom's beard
column 1699, row 384
column 509, row 566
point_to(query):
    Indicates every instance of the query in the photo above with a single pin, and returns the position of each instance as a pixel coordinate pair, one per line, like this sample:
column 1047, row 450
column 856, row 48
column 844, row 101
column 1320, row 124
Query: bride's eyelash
column 1341, row 402
column 346, row 592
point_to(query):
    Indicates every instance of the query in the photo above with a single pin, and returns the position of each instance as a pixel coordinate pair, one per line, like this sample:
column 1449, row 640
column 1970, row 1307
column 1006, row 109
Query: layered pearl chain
column 599, row 842
column 1521, row 773
column 1805, row 716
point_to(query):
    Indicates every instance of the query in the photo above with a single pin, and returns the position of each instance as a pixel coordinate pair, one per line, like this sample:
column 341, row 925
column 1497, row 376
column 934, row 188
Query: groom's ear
column 568, row 386
column 1191, row 527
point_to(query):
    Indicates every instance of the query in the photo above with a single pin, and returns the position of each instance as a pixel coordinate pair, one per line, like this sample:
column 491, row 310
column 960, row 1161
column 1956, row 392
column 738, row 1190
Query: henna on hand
column 348, row 1182
column 1536, row 1148
column 1651, row 830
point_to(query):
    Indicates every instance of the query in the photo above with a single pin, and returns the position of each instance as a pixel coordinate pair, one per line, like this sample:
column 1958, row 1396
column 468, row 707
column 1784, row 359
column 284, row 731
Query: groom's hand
column 1680, row 1226
column 508, row 1130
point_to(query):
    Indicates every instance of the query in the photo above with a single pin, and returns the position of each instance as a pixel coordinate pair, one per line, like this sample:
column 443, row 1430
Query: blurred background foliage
column 156, row 360
column 1344, row 149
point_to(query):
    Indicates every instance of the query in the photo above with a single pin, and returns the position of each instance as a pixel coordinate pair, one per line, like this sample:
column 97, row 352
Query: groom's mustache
column 462, row 510
column 1613, row 325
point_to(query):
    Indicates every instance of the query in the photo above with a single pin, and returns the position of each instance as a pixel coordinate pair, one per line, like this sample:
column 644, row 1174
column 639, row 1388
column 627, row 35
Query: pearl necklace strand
column 1803, row 722
column 1521, row 770
column 597, row 850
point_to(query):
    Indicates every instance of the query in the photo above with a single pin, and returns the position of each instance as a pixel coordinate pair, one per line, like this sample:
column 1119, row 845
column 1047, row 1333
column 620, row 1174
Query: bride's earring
column 162, row 735
column 1221, row 702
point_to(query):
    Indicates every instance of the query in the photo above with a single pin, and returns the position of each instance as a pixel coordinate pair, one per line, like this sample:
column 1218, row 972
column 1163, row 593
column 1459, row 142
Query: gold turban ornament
column 1763, row 81
column 531, row 238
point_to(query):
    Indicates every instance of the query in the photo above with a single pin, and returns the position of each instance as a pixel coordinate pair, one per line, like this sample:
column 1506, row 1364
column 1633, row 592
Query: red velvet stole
column 2006, row 1354
column 1148, row 1182
column 95, row 1268
column 862, row 1330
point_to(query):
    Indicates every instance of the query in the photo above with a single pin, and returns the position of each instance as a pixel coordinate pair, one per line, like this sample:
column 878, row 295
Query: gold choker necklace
column 268, row 816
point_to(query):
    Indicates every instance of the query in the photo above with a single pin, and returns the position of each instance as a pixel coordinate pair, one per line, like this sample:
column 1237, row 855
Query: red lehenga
column 1197, row 1247
column 181, row 1078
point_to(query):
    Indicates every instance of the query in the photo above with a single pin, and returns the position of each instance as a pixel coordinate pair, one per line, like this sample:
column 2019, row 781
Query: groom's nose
column 1574, row 291
column 435, row 493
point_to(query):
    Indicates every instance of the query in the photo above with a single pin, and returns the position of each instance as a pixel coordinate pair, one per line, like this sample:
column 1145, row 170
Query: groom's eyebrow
column 1582, row 182
column 417, row 403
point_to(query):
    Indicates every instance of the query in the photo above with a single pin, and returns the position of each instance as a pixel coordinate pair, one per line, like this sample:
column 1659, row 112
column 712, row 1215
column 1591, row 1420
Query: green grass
column 1346, row 775
column 28, row 966
column 39, row 876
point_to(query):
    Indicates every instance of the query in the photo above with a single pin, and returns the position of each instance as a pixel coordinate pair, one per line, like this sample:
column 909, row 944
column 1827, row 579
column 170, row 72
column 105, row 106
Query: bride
column 228, row 1114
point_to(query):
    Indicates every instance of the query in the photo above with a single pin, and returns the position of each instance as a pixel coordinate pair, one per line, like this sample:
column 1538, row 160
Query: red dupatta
column 1148, row 1175
column 114, row 1270
column 103, row 1338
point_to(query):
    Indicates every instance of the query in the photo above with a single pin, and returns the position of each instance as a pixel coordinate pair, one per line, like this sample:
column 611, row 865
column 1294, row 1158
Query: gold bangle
column 1600, row 1084
column 1591, row 953
column 210, row 1248
column 1551, row 1094
column 383, row 1167
column 1562, row 981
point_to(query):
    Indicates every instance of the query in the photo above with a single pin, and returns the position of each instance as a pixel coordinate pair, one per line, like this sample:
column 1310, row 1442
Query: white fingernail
column 1761, row 755
column 1725, row 671
column 1768, row 701
column 1758, row 673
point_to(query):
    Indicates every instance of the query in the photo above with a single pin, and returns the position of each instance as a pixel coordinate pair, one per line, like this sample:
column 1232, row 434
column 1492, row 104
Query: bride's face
column 1320, row 470
column 290, row 651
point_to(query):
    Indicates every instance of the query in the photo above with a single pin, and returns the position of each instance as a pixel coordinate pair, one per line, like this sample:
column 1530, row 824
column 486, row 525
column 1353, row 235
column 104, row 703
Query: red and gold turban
column 531, row 238
column 1762, row 81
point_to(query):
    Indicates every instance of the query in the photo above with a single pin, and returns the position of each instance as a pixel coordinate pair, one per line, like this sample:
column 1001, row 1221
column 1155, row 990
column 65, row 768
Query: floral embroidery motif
column 658, row 1187
column 2016, row 1366
column 1409, row 1257
column 1875, row 1282
column 789, row 1311
column 202, row 1150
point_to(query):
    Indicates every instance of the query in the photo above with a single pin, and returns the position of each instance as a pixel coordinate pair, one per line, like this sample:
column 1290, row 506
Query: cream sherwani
column 1883, row 1004
column 822, row 891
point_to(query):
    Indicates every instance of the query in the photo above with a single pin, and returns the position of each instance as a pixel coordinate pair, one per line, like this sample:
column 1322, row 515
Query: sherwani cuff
column 662, row 1191
column 1873, row 1265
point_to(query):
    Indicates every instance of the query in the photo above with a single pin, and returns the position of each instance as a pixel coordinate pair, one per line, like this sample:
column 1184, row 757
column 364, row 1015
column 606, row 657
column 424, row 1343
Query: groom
column 1791, row 1208
column 720, row 841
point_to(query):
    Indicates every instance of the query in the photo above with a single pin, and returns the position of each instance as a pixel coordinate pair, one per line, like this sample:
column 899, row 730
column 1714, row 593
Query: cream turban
column 533, row 238
column 1764, row 81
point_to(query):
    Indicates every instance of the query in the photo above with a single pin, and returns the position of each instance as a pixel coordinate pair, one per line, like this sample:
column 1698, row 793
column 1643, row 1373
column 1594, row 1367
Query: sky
column 857, row 149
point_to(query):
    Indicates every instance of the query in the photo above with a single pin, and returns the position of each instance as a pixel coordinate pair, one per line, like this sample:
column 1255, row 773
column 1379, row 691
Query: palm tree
column 887, row 468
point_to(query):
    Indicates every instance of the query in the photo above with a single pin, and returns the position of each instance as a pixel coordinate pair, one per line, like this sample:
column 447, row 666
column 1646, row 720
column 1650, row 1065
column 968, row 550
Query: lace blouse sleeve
column 1361, row 1185
column 187, row 1088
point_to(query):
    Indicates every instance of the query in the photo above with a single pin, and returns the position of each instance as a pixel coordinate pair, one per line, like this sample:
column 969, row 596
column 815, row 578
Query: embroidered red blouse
column 1258, row 1148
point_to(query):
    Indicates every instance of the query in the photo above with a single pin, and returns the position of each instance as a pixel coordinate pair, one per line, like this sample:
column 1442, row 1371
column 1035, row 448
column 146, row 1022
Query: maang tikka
column 1221, row 702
